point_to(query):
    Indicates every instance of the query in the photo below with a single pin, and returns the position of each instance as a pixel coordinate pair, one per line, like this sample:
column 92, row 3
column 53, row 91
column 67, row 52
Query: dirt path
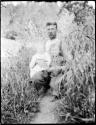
column 46, row 114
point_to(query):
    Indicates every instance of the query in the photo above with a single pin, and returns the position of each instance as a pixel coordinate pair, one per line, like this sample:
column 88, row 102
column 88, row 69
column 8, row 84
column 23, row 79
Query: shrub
column 77, row 84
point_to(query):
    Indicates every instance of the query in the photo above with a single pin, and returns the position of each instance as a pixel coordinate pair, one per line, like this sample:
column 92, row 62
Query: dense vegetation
column 19, row 99
column 77, row 83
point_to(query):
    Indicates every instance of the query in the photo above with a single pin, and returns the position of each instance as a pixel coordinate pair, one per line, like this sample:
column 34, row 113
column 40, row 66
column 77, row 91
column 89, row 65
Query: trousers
column 44, row 80
column 41, row 81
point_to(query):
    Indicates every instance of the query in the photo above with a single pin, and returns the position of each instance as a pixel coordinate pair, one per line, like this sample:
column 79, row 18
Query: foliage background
column 25, row 24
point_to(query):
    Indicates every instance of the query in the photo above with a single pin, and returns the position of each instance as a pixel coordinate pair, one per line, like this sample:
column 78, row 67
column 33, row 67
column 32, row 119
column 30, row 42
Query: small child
column 39, row 62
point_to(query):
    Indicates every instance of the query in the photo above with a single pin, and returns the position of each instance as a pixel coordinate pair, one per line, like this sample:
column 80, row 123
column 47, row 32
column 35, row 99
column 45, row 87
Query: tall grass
column 19, row 99
column 77, row 83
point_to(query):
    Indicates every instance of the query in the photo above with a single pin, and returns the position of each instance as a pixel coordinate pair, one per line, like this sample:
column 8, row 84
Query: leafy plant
column 77, row 84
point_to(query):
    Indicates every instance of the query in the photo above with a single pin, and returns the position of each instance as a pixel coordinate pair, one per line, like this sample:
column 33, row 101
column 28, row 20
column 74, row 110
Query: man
column 53, row 47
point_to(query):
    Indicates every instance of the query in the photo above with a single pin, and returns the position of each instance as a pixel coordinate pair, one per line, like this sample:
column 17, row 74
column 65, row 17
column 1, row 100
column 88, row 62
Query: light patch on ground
column 9, row 47
column 46, row 114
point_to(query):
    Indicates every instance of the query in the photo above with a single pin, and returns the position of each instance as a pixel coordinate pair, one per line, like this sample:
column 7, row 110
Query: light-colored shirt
column 53, row 46
column 57, row 47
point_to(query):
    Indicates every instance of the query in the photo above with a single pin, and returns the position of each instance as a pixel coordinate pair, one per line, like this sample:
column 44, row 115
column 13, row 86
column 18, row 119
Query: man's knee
column 41, row 79
column 41, row 76
column 37, row 77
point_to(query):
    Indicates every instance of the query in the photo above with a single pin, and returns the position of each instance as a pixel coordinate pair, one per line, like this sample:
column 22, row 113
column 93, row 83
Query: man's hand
column 53, row 68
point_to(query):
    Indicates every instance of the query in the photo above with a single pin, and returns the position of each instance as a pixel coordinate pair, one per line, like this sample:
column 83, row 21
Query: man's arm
column 59, row 68
column 65, row 52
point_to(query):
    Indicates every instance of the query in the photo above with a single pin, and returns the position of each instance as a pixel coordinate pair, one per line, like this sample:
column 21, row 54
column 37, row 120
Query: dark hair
column 51, row 23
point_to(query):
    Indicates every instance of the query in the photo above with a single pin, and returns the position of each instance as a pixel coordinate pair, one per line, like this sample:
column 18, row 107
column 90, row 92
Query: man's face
column 51, row 30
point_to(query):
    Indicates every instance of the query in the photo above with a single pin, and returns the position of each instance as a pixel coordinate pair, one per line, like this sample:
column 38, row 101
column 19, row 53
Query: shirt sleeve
column 47, row 46
column 33, row 61
column 48, row 59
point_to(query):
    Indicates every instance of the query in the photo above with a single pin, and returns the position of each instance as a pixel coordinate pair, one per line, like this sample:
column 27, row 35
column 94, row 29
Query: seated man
column 42, row 74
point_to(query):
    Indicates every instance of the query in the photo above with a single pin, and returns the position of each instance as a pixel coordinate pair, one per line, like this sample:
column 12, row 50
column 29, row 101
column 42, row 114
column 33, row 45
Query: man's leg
column 41, row 81
column 54, row 84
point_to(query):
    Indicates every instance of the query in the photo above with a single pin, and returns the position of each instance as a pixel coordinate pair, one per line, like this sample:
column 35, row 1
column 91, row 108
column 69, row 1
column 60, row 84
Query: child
column 39, row 62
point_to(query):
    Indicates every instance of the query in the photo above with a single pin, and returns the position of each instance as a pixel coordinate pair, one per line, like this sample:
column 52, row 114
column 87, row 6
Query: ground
column 46, row 114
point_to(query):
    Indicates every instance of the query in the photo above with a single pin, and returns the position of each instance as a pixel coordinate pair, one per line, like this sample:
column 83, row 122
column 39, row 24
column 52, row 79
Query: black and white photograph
column 47, row 62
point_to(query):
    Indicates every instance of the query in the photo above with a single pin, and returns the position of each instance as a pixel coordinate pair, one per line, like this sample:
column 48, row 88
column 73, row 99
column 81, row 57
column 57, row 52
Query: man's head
column 51, row 29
